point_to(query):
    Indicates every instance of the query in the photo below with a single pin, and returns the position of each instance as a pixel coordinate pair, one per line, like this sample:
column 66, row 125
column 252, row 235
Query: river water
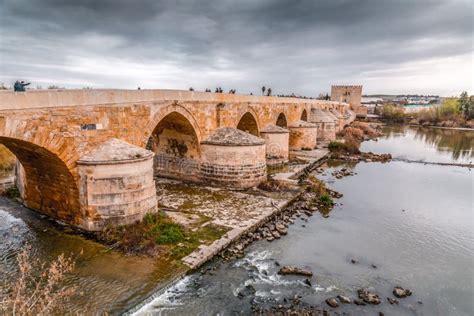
column 105, row 281
column 414, row 221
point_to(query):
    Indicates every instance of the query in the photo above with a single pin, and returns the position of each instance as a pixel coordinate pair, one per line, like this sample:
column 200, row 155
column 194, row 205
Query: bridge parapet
column 30, row 99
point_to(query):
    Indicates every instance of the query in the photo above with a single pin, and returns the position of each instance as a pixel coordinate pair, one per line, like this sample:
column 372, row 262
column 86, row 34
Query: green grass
column 326, row 200
column 169, row 233
column 193, row 240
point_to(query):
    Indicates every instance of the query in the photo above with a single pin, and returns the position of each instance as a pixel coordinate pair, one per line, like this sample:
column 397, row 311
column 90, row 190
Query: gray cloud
column 292, row 46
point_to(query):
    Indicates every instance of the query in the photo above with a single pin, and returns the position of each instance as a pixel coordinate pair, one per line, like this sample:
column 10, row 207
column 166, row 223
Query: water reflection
column 459, row 143
column 425, row 144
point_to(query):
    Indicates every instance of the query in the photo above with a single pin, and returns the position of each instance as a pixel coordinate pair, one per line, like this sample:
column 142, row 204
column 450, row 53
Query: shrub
column 366, row 129
column 393, row 113
column 317, row 186
column 169, row 233
column 326, row 200
column 349, row 146
column 354, row 132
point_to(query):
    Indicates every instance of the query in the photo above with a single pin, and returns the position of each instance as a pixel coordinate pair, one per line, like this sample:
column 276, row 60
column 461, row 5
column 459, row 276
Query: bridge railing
column 10, row 100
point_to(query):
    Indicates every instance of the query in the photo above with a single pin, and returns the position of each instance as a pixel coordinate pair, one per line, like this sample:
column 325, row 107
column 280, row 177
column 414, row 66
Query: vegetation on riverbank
column 157, row 234
column 453, row 112
column 7, row 159
column 352, row 136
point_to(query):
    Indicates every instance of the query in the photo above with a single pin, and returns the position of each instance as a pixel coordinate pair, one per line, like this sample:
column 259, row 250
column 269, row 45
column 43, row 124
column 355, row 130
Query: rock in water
column 359, row 302
column 392, row 300
column 344, row 299
column 400, row 292
column 332, row 302
column 294, row 270
column 247, row 290
column 368, row 297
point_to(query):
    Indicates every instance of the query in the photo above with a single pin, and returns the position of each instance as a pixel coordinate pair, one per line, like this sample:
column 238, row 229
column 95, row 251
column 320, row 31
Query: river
column 412, row 220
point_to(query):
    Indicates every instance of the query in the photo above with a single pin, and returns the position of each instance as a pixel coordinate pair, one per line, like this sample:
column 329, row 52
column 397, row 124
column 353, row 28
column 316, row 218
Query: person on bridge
column 20, row 86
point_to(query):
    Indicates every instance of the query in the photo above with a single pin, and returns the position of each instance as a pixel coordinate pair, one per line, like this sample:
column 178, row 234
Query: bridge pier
column 303, row 135
column 116, row 185
column 277, row 142
column 326, row 125
column 233, row 158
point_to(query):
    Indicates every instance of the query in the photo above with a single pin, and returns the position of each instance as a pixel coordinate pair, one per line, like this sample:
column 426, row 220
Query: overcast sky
column 398, row 46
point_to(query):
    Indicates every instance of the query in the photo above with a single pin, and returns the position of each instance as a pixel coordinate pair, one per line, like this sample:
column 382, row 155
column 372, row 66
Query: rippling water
column 107, row 281
column 415, row 222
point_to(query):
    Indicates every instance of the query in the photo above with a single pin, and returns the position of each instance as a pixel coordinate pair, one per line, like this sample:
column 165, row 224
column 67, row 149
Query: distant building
column 351, row 95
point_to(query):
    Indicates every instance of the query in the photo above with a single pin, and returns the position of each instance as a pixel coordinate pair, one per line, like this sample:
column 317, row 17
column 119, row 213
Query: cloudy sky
column 397, row 46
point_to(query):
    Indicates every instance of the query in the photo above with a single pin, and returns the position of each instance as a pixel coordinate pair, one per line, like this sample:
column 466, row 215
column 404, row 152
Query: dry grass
column 7, row 159
column 353, row 132
column 272, row 185
column 40, row 288
column 366, row 129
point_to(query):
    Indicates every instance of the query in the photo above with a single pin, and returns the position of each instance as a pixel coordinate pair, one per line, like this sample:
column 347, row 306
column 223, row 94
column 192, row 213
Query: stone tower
column 349, row 94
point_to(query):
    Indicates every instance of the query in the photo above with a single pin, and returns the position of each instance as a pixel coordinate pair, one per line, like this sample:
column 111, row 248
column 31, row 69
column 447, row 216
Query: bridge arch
column 49, row 184
column 175, row 140
column 248, row 123
column 163, row 112
column 304, row 115
column 281, row 120
column 176, row 136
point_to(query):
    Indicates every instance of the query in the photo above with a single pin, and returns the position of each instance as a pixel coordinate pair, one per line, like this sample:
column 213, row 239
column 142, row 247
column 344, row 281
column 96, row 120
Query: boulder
column 344, row 299
column 285, row 270
column 332, row 302
column 368, row 297
column 359, row 302
column 400, row 292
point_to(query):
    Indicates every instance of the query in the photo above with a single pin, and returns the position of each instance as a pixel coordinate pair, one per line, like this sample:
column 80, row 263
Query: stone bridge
column 88, row 157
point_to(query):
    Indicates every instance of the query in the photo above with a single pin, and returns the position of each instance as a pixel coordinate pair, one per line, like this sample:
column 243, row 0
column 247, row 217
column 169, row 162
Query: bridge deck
column 10, row 100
